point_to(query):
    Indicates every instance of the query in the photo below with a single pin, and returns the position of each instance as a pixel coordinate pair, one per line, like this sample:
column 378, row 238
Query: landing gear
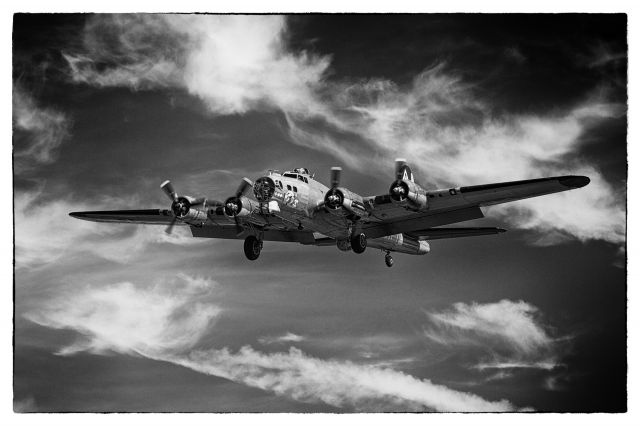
column 252, row 247
column 358, row 243
column 388, row 260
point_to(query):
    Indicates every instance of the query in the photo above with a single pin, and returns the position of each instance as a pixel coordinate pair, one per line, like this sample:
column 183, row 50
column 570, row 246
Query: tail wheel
column 252, row 247
column 388, row 260
column 359, row 243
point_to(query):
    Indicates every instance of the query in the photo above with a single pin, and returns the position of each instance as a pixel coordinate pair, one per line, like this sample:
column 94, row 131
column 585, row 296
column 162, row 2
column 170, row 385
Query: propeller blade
column 400, row 162
column 239, row 229
column 168, row 189
column 335, row 177
column 244, row 187
column 171, row 225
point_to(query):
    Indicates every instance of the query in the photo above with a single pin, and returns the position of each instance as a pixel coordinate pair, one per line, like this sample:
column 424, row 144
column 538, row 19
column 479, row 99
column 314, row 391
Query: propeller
column 233, row 205
column 335, row 177
column 180, row 206
column 400, row 163
column 334, row 198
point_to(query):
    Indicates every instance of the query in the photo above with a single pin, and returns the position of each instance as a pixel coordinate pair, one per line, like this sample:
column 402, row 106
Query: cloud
column 454, row 134
column 45, row 233
column 163, row 317
column 285, row 338
column 510, row 323
column 167, row 320
column 38, row 131
column 233, row 63
column 338, row 383
column 509, row 335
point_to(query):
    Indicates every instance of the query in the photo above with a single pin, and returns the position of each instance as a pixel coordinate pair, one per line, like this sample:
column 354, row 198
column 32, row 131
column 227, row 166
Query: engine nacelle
column 407, row 193
column 336, row 198
column 239, row 206
column 184, row 209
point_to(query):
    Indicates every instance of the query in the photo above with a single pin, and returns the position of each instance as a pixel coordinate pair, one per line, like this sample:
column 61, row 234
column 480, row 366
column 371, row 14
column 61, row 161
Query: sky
column 126, row 318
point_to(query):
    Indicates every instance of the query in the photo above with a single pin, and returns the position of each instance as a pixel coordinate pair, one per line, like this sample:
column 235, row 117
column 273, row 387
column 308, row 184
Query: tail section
column 403, row 170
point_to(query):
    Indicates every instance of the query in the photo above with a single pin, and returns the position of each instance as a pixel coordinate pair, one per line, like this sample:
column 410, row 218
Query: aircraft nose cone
column 574, row 181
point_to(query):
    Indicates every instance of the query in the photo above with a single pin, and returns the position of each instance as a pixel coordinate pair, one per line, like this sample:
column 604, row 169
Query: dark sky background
column 126, row 318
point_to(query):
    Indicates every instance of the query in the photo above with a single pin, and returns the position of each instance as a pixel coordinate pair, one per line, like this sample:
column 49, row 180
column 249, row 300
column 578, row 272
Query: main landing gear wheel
column 252, row 247
column 388, row 260
column 358, row 243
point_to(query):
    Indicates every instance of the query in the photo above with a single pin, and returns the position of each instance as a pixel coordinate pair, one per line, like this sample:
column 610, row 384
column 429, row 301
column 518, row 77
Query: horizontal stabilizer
column 441, row 233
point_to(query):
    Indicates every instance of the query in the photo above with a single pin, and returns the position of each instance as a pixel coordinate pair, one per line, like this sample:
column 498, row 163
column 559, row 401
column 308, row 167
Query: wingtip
column 574, row 182
column 80, row 215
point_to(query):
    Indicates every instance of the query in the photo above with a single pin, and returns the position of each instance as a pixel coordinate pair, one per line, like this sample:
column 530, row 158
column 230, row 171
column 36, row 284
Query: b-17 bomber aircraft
column 294, row 207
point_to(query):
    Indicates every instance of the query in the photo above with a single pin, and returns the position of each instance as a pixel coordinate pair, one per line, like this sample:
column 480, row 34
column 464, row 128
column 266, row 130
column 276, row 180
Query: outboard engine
column 405, row 191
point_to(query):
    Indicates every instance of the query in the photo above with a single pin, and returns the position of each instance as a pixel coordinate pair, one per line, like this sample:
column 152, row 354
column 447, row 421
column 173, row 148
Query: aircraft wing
column 148, row 217
column 453, row 205
column 208, row 230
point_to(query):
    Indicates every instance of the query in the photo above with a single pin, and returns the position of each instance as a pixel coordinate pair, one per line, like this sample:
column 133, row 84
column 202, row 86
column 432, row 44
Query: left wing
column 453, row 205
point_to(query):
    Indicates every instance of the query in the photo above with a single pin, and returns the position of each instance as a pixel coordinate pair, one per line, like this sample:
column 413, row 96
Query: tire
column 388, row 260
column 359, row 243
column 252, row 247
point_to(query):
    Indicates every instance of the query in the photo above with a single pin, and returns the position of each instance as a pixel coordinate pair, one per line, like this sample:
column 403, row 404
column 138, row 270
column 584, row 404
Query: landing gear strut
column 388, row 260
column 252, row 247
column 358, row 243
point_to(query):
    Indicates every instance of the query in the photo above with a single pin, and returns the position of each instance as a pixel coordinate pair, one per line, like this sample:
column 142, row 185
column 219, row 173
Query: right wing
column 147, row 217
column 207, row 230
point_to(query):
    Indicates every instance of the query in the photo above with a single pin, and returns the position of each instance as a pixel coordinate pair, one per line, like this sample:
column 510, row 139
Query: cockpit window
column 291, row 175
column 295, row 189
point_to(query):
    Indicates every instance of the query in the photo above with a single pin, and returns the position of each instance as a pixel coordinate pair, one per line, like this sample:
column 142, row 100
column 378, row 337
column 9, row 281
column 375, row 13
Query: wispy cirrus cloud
column 509, row 335
column 38, row 131
column 166, row 321
column 454, row 135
